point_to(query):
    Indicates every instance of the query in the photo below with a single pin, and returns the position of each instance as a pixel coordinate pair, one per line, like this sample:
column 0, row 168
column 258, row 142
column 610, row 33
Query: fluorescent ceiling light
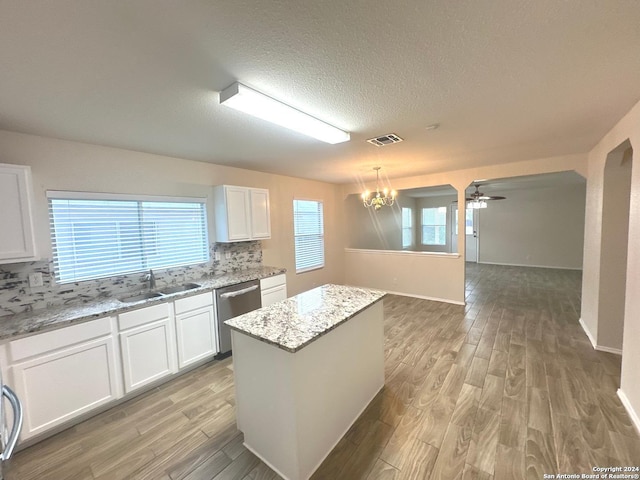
column 254, row 103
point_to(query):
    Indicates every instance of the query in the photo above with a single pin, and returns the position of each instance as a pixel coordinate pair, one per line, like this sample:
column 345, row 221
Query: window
column 97, row 236
column 407, row 227
column 468, row 223
column 308, row 226
column 434, row 226
column 468, row 228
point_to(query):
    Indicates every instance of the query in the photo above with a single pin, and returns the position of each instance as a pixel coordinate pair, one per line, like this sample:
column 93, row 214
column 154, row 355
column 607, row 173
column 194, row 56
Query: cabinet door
column 238, row 222
column 59, row 386
column 273, row 295
column 260, row 220
column 148, row 353
column 16, row 235
column 196, row 335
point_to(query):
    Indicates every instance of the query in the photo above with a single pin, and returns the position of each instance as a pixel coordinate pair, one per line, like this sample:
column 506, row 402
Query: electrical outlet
column 35, row 280
column 216, row 256
column 227, row 255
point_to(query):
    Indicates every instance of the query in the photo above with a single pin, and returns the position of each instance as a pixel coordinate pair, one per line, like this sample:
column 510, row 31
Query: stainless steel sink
column 140, row 297
column 179, row 288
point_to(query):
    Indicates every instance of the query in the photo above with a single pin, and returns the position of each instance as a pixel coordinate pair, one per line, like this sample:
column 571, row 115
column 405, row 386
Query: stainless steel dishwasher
column 231, row 302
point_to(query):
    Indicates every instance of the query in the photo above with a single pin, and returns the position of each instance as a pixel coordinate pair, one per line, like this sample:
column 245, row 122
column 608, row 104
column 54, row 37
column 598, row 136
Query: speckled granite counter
column 297, row 321
column 52, row 318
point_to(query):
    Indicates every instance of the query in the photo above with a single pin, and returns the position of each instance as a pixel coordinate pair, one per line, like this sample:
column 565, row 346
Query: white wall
column 628, row 129
column 434, row 276
column 613, row 253
column 63, row 165
column 538, row 227
column 381, row 230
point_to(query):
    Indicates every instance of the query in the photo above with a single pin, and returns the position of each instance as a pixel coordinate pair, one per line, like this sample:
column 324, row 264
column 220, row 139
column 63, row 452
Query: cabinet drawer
column 50, row 341
column 143, row 315
column 274, row 281
column 191, row 303
column 273, row 295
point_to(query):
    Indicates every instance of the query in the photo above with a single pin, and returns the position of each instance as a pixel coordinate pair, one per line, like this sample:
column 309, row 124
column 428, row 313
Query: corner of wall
column 590, row 336
column 632, row 413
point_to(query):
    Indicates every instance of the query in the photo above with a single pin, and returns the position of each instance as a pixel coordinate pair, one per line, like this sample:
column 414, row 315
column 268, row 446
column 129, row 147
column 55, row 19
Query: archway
column 614, row 247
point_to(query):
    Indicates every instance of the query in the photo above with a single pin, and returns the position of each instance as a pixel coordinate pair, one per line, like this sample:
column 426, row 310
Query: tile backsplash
column 16, row 296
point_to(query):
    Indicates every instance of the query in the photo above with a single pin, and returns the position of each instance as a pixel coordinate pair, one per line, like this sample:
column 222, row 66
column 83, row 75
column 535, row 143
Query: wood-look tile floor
column 507, row 387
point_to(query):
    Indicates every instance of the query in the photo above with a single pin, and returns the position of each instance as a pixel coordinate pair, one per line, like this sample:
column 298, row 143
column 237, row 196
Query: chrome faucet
column 150, row 277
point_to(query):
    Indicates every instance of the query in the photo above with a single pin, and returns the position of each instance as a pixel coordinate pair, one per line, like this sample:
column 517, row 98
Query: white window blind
column 407, row 227
column 308, row 225
column 434, row 226
column 95, row 238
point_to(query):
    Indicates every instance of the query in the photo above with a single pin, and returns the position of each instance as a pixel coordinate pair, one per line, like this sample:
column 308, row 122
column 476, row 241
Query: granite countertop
column 57, row 317
column 294, row 323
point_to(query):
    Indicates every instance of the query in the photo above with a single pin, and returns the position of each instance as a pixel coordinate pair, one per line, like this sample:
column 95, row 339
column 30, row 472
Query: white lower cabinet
column 195, row 329
column 273, row 289
column 65, row 373
column 147, row 344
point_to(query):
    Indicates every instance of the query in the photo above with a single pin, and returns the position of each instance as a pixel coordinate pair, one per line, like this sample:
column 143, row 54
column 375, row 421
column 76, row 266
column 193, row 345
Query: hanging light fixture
column 479, row 200
column 378, row 199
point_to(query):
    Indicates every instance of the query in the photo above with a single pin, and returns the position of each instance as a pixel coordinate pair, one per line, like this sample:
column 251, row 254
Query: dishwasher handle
column 237, row 293
column 17, row 422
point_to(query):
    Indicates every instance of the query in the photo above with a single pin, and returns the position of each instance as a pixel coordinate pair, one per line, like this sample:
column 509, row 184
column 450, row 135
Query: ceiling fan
column 478, row 195
column 479, row 200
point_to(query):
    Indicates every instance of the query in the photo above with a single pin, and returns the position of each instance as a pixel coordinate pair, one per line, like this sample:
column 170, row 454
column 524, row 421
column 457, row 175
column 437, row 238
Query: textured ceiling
column 508, row 80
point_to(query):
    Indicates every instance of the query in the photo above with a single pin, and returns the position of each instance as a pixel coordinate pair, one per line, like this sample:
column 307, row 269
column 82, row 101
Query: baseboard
column 530, row 266
column 423, row 297
column 586, row 330
column 632, row 413
column 600, row 348
column 615, row 351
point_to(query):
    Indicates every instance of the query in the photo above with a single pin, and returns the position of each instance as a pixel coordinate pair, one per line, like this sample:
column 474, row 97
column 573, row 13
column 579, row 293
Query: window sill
column 310, row 269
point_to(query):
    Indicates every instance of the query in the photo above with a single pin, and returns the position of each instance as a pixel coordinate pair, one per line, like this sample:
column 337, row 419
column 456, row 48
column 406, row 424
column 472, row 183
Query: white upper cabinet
column 242, row 213
column 17, row 243
column 260, row 220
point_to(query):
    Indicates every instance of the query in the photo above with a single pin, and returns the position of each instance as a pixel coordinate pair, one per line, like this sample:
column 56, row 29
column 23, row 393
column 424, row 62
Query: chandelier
column 378, row 199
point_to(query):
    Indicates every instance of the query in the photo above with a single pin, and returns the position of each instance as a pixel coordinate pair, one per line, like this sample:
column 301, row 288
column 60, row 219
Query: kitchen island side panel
column 293, row 408
column 336, row 378
column 263, row 377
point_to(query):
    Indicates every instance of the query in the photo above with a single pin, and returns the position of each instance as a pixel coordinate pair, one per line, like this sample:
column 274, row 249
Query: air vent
column 383, row 140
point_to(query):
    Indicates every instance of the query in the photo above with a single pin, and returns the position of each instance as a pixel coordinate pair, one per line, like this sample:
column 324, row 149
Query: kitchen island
column 305, row 369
